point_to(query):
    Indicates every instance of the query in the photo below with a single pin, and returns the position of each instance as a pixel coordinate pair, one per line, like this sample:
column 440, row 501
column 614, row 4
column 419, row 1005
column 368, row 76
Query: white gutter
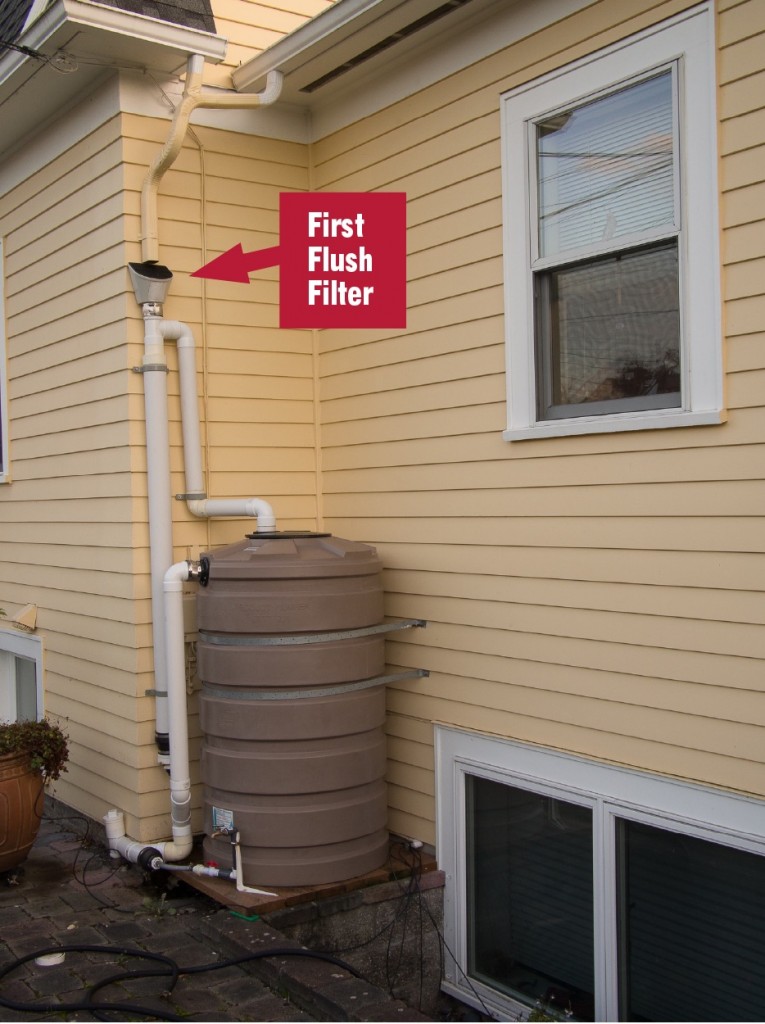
column 323, row 28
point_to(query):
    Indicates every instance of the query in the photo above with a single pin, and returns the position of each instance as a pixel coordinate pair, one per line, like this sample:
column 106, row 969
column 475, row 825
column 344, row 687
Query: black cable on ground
column 86, row 840
column 171, row 971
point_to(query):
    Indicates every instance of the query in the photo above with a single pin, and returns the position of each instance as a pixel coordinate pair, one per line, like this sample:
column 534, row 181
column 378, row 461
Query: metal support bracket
column 229, row 693
column 150, row 366
column 228, row 640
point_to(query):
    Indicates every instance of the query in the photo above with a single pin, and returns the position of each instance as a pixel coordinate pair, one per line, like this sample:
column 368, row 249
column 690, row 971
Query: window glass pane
column 530, row 911
column 26, row 689
column 692, row 943
column 606, row 169
column 610, row 332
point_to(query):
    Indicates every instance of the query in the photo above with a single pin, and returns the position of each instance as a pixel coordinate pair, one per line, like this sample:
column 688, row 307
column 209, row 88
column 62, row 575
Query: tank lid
column 292, row 555
column 284, row 535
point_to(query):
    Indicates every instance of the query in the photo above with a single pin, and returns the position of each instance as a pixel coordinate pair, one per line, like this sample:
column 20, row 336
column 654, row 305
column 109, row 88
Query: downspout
column 154, row 369
column 167, row 579
column 191, row 99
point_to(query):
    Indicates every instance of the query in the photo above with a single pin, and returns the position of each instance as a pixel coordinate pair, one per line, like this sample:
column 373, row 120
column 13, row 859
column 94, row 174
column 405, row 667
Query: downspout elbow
column 273, row 89
column 255, row 508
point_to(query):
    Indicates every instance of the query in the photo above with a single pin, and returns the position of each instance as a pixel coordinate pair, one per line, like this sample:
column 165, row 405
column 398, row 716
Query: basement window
column 594, row 892
column 21, row 677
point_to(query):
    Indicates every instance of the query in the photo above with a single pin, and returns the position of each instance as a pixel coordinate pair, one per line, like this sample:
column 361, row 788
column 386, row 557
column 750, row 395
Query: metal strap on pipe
column 232, row 693
column 227, row 640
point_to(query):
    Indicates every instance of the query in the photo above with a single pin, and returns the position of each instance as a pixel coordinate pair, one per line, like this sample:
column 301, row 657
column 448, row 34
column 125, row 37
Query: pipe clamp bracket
column 150, row 367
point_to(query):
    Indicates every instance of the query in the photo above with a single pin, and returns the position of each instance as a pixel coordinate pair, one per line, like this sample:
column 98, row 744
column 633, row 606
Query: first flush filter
column 293, row 750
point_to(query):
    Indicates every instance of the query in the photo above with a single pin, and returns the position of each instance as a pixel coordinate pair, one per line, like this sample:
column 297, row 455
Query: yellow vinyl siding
column 66, row 515
column 74, row 518
column 598, row 594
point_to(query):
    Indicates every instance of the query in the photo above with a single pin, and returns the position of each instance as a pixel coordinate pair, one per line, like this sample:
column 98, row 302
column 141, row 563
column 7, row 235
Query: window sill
column 614, row 424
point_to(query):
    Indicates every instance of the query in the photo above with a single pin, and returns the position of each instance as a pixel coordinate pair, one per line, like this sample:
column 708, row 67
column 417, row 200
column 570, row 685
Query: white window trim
column 610, row 791
column 23, row 645
column 689, row 40
column 4, row 474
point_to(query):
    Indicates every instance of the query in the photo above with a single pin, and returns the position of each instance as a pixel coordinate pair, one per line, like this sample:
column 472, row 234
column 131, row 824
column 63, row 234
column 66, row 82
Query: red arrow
column 236, row 265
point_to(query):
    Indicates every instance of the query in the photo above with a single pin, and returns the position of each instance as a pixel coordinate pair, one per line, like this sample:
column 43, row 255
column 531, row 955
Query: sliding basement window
column 597, row 893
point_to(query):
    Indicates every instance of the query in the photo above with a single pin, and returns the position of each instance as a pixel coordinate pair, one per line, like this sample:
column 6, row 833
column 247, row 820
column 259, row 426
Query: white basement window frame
column 21, row 676
column 3, row 377
column 683, row 49
column 670, row 808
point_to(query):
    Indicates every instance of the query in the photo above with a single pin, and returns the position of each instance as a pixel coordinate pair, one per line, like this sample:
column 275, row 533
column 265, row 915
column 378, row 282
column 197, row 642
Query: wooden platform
column 399, row 865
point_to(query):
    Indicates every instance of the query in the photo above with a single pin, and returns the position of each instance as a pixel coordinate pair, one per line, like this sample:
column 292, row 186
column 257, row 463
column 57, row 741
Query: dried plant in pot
column 31, row 754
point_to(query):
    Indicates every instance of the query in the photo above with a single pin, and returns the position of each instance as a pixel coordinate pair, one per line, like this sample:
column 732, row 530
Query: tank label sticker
column 222, row 820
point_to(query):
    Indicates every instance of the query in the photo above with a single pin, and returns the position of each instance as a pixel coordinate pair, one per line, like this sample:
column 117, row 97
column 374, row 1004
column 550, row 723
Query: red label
column 343, row 259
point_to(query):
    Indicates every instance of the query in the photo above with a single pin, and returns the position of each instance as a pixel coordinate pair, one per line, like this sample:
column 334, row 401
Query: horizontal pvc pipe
column 198, row 504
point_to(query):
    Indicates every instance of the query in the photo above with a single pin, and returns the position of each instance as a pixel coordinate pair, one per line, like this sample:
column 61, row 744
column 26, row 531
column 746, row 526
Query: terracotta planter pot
column 21, row 804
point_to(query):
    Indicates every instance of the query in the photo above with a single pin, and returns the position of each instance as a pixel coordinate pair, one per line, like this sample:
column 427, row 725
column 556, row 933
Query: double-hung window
column 611, row 244
column 590, row 891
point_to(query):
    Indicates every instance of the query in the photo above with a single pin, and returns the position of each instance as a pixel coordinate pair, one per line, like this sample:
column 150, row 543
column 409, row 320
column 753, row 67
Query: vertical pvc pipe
column 159, row 505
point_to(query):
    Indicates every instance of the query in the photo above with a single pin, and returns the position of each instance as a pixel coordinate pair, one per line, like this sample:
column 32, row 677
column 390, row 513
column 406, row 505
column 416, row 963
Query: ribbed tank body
column 293, row 749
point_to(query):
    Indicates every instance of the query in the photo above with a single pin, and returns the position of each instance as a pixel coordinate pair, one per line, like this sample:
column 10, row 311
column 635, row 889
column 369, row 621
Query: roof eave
column 334, row 19
column 99, row 21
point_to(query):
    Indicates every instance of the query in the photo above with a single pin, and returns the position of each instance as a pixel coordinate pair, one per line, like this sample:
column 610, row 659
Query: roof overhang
column 87, row 40
column 352, row 36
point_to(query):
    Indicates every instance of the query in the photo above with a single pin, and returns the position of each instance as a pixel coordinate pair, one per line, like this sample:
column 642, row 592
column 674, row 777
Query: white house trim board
column 687, row 43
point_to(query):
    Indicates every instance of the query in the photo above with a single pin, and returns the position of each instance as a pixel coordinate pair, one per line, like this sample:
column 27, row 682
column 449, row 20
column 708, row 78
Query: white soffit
column 101, row 39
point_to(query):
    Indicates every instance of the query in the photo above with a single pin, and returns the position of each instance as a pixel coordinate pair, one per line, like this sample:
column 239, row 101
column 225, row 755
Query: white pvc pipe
column 130, row 849
column 159, row 501
column 167, row 584
column 253, row 507
column 187, row 375
column 196, row 499
column 180, row 776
